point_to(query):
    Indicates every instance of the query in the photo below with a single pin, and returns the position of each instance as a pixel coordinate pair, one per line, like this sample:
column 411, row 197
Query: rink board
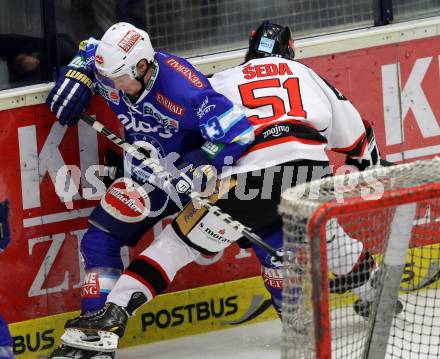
column 168, row 316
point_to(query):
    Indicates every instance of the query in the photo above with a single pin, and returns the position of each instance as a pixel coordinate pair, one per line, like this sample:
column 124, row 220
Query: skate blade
column 103, row 341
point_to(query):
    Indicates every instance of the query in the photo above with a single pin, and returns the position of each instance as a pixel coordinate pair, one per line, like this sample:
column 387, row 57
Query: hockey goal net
column 390, row 215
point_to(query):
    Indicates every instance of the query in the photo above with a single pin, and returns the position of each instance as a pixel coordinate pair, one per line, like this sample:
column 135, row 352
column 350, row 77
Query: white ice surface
column 415, row 333
column 254, row 341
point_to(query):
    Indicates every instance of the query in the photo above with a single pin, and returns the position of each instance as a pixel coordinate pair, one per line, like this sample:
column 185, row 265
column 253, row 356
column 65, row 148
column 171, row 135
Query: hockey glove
column 71, row 94
column 371, row 155
column 114, row 165
column 5, row 236
column 193, row 179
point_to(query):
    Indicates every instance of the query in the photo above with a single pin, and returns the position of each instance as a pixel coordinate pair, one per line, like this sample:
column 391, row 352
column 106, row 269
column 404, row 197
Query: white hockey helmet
column 121, row 48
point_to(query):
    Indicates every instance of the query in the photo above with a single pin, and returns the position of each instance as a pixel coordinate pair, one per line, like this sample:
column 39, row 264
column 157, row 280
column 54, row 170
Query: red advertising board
column 393, row 86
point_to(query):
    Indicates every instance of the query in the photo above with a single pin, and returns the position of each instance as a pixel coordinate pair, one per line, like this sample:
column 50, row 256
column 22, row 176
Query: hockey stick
column 160, row 174
column 386, row 163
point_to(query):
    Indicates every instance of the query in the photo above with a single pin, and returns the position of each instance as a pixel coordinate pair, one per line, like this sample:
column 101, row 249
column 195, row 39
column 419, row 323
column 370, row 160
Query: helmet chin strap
column 141, row 78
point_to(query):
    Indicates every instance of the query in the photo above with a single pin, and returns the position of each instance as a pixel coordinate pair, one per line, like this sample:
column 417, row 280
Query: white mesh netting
column 337, row 230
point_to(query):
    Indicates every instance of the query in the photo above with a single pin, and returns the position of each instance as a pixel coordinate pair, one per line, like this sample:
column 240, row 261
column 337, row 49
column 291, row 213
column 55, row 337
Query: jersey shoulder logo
column 187, row 72
column 204, row 108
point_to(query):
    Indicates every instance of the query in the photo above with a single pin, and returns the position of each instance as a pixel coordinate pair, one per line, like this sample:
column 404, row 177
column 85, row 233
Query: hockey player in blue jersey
column 6, row 351
column 169, row 109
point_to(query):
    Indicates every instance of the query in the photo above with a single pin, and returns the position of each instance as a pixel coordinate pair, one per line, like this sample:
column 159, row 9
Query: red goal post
column 384, row 212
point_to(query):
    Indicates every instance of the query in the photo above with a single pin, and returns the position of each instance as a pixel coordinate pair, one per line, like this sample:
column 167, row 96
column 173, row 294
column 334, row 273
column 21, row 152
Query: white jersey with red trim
column 295, row 113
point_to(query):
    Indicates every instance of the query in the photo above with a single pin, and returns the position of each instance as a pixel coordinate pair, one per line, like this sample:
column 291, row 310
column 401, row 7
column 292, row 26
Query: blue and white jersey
column 177, row 112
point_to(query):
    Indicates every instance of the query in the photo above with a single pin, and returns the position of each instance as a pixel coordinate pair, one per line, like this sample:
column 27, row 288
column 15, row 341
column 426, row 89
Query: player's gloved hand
column 360, row 163
column 71, row 94
column 114, row 164
column 193, row 179
column 5, row 236
column 371, row 155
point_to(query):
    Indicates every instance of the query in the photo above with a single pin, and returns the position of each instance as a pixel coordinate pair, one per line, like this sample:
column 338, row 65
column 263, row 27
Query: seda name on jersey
column 265, row 70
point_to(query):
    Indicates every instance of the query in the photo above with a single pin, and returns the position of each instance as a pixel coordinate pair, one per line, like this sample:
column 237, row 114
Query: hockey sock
column 98, row 282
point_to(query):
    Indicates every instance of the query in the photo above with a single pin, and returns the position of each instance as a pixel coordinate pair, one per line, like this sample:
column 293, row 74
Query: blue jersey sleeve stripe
column 224, row 114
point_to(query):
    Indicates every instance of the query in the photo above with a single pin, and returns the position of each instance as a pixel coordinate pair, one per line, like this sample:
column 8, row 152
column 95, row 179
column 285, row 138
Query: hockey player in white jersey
column 296, row 116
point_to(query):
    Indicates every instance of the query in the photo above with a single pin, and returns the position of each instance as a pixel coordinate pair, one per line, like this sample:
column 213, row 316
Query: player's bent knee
column 101, row 249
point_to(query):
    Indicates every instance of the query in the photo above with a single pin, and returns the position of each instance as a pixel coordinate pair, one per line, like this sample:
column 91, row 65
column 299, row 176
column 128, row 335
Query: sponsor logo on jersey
column 108, row 93
column 169, row 124
column 126, row 201
column 169, row 105
column 187, row 72
column 145, row 127
column 129, row 40
column 204, row 108
column 276, row 131
column 264, row 70
column 212, row 149
column 99, row 59
column 90, row 287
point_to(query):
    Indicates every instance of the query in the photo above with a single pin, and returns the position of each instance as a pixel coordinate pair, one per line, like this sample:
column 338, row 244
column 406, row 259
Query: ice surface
column 254, row 341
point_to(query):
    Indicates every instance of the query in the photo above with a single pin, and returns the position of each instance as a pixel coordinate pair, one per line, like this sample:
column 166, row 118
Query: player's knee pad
column 128, row 209
column 98, row 282
column 101, row 249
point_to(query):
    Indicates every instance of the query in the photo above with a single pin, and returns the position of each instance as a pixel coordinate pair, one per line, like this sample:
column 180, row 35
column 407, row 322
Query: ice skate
column 98, row 331
column 364, row 308
column 67, row 352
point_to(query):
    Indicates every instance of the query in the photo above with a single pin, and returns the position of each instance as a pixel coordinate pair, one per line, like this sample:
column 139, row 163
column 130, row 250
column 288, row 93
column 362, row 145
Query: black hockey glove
column 114, row 164
column 371, row 155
